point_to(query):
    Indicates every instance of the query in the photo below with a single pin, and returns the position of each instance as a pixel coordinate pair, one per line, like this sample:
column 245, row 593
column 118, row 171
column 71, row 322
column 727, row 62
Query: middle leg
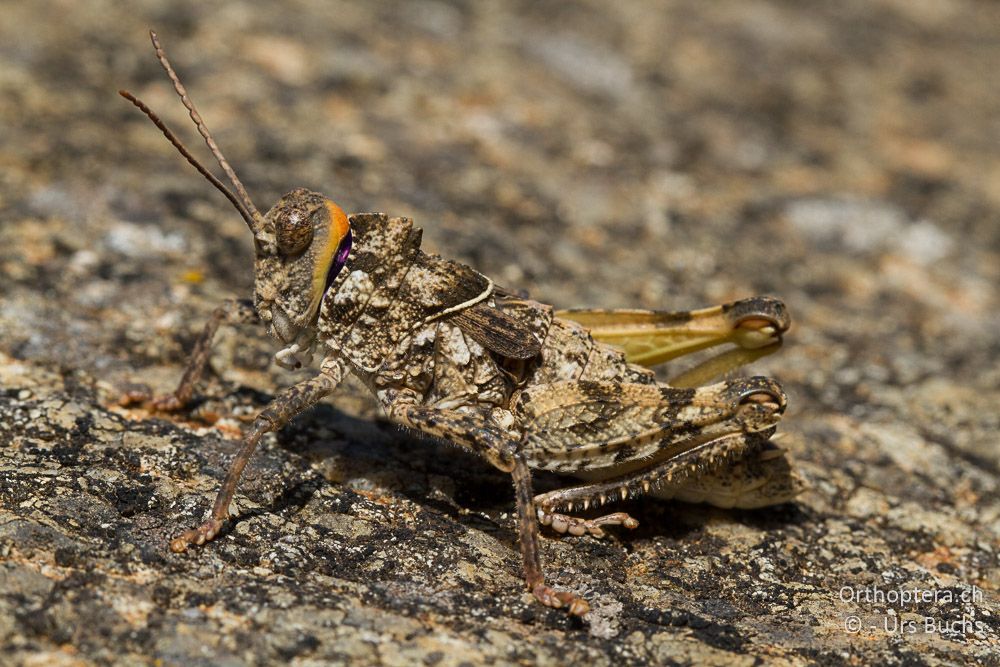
column 480, row 433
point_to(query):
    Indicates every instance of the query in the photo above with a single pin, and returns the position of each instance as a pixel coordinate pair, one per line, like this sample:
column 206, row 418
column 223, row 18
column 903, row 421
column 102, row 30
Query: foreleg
column 287, row 404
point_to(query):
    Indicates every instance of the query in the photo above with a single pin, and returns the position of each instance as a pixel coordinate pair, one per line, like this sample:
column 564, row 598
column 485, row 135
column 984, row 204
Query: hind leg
column 650, row 337
column 629, row 439
column 564, row 523
column 666, row 479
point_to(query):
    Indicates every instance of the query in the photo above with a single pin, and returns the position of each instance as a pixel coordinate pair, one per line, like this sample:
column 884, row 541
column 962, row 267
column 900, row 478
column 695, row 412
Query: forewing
column 497, row 331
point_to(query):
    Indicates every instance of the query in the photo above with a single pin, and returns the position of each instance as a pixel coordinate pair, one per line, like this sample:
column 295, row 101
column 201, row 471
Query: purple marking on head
column 339, row 258
column 344, row 249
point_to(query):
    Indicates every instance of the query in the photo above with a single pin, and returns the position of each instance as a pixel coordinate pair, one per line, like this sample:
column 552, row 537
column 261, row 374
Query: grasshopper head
column 303, row 244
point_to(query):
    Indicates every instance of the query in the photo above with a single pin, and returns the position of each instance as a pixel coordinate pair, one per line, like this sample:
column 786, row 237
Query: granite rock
column 844, row 157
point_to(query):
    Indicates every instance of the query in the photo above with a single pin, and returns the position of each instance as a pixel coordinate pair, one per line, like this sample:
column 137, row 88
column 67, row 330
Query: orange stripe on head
column 338, row 228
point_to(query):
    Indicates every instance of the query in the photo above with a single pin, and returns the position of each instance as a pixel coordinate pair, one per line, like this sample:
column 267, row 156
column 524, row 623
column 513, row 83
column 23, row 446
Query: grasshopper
column 451, row 354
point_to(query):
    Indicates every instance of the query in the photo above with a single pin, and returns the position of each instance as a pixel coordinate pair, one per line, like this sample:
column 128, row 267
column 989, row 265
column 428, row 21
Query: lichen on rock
column 608, row 155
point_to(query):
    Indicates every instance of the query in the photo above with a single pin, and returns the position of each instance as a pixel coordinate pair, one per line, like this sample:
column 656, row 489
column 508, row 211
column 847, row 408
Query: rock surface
column 843, row 156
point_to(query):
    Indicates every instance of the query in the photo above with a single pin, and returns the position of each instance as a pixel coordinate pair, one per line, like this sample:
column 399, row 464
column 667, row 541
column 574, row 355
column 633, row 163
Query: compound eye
column 294, row 232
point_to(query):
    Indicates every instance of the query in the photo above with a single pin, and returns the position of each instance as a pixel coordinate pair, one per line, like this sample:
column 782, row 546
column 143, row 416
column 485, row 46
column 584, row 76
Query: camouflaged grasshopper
column 447, row 352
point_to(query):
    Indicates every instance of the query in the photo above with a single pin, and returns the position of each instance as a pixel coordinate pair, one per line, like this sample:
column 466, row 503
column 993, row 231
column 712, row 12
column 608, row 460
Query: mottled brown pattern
column 569, row 404
column 380, row 258
column 506, row 381
column 658, row 155
column 588, row 425
column 748, row 482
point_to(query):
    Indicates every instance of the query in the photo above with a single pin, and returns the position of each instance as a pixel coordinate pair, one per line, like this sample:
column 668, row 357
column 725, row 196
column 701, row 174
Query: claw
column 561, row 523
column 196, row 536
column 140, row 394
column 134, row 394
column 551, row 597
column 168, row 403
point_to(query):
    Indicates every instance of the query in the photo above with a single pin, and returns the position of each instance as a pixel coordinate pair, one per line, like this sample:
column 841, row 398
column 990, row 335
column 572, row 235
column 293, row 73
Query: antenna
column 243, row 203
column 187, row 155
